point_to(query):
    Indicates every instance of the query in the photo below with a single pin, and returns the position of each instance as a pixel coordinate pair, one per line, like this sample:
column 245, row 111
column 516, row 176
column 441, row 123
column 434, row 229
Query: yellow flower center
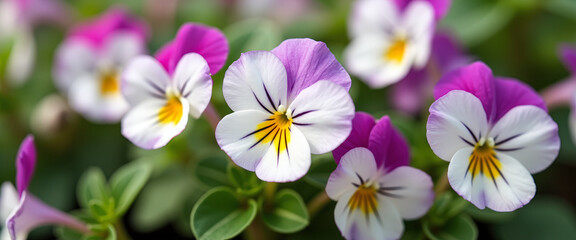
column 109, row 82
column 276, row 129
column 483, row 160
column 172, row 111
column 364, row 199
column 395, row 53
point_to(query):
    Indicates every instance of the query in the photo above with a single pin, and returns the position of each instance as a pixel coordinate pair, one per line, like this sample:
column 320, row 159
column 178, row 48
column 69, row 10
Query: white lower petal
column 356, row 163
column 193, row 81
column 512, row 189
column 86, row 98
column 8, row 200
column 5, row 235
column 74, row 58
column 418, row 19
column 324, row 113
column 414, row 195
column 288, row 165
column 143, row 127
column 142, row 79
column 456, row 120
column 528, row 134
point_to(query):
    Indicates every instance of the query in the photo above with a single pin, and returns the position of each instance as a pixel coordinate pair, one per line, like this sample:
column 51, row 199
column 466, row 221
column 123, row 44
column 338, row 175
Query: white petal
column 234, row 135
column 85, row 97
column 323, row 112
column 256, row 81
column 510, row 191
column 192, row 79
column 371, row 16
column 415, row 194
column 8, row 200
column 455, row 119
column 144, row 78
column 121, row 47
column 358, row 162
column 288, row 165
column 528, row 134
column 22, row 57
column 5, row 234
column 418, row 20
column 572, row 124
column 142, row 126
column 74, row 58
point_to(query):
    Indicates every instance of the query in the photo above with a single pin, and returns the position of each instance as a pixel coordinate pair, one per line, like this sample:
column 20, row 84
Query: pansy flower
column 20, row 211
column 288, row 103
column 494, row 132
column 373, row 184
column 389, row 38
column 163, row 91
column 89, row 63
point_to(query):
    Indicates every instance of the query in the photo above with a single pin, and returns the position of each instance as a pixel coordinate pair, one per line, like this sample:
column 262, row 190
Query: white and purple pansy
column 20, row 211
column 494, row 132
column 373, row 184
column 288, row 103
column 163, row 91
column 389, row 38
column 90, row 61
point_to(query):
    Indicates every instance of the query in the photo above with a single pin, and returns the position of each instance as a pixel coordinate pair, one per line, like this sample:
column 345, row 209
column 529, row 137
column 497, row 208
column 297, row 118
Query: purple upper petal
column 25, row 163
column 390, row 149
column 98, row 30
column 362, row 124
column 410, row 94
column 209, row 42
column 447, row 54
column 441, row 7
column 511, row 93
column 308, row 61
column 568, row 55
column 476, row 79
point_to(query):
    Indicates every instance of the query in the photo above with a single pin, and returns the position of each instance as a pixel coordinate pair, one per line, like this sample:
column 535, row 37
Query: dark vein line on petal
column 260, row 103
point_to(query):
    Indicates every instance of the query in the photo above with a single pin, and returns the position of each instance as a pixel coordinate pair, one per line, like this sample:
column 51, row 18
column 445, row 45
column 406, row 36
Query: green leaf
column 460, row 227
column 92, row 186
column 64, row 233
column 320, row 170
column 111, row 232
column 219, row 214
column 289, row 213
column 102, row 211
column 212, row 171
column 127, row 182
column 246, row 182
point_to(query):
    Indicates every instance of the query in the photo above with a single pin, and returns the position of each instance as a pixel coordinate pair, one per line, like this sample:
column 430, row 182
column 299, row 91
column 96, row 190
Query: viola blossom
column 494, row 132
column 90, row 60
column 288, row 103
column 20, row 211
column 373, row 184
column 163, row 91
column 17, row 20
column 389, row 38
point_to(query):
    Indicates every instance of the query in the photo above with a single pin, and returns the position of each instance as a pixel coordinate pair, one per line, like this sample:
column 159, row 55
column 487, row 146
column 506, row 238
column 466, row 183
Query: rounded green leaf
column 246, row 182
column 211, row 171
column 219, row 214
column 127, row 182
column 460, row 227
column 288, row 214
column 92, row 186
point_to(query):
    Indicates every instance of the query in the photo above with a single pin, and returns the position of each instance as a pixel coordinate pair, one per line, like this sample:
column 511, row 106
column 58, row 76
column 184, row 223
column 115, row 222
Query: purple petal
column 511, row 93
column 25, row 163
column 568, row 55
column 441, row 7
column 32, row 213
column 362, row 124
column 447, row 54
column 410, row 94
column 390, row 149
column 308, row 61
column 98, row 30
column 475, row 78
column 209, row 42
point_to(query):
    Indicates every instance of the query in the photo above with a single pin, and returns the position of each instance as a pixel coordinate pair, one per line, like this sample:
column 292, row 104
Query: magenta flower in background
column 20, row 211
column 494, row 132
column 163, row 91
column 373, row 184
column 388, row 39
column 90, row 60
column 288, row 103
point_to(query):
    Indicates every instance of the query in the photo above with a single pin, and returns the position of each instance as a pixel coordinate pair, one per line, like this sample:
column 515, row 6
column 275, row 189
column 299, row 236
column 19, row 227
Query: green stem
column 15, row 125
column 270, row 191
column 258, row 231
column 317, row 203
column 212, row 116
column 121, row 233
column 442, row 183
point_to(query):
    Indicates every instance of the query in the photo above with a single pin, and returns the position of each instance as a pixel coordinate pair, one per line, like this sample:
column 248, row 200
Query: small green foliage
column 288, row 213
column 92, row 186
column 460, row 227
column 220, row 214
column 127, row 182
column 211, row 171
column 320, row 170
column 246, row 183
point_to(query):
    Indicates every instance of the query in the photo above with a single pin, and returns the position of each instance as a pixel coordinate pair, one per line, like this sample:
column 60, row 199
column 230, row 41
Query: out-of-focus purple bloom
column 441, row 7
column 373, row 184
column 20, row 211
column 494, row 132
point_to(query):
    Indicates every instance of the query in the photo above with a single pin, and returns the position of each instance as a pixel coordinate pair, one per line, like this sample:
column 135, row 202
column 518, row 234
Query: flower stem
column 317, row 203
column 442, row 183
column 212, row 115
column 121, row 233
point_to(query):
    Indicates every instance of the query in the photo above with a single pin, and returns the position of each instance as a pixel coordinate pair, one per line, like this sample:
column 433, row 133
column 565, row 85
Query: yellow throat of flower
column 109, row 82
column 171, row 112
column 275, row 129
column 395, row 53
column 483, row 160
column 364, row 199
